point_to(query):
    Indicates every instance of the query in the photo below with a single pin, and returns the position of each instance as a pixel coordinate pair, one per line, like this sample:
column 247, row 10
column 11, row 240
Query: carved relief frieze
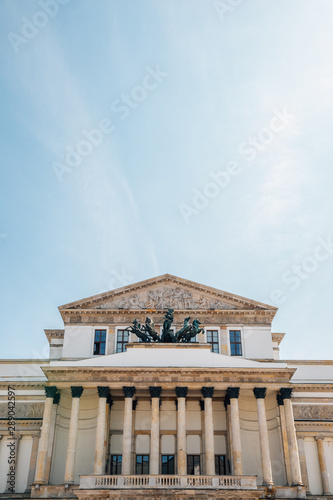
column 23, row 410
column 162, row 298
column 315, row 412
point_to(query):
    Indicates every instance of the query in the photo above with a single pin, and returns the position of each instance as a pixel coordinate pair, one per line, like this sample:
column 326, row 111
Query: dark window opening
column 235, row 343
column 220, row 465
column 142, row 464
column 115, row 464
column 122, row 340
column 213, row 339
column 99, row 343
column 193, row 465
column 168, row 464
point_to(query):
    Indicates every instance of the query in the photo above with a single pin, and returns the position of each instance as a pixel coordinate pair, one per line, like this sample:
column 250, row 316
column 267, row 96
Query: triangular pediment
column 166, row 291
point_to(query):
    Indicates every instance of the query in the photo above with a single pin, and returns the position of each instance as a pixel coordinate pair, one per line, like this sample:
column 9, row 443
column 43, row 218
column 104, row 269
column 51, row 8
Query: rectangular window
column 193, row 465
column 168, row 464
column 99, row 343
column 213, row 339
column 115, row 464
column 235, row 343
column 142, row 464
column 122, row 340
column 220, row 465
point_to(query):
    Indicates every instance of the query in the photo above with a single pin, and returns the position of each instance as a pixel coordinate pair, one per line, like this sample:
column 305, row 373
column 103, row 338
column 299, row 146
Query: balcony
column 166, row 482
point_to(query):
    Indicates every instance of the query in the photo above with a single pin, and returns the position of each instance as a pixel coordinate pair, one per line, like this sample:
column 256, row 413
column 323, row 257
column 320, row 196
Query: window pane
column 209, row 336
column 102, row 349
column 103, row 335
column 97, row 336
column 145, row 464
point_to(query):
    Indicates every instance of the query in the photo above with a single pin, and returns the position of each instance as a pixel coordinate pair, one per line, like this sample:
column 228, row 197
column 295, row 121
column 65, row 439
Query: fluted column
column 50, row 392
column 208, row 393
column 103, row 393
column 323, row 465
column 284, row 438
column 260, row 394
column 181, row 393
column 129, row 392
column 72, row 435
column 233, row 393
column 155, row 393
column 295, row 467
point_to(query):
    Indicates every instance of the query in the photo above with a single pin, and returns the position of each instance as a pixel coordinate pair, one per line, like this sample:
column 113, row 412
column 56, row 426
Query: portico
column 205, row 386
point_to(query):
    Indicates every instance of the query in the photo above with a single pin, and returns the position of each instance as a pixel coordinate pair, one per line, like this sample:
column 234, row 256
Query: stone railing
column 168, row 482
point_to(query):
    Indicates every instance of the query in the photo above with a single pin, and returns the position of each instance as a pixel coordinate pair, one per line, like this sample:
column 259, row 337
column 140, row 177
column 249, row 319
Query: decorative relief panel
column 162, row 298
column 317, row 412
column 23, row 410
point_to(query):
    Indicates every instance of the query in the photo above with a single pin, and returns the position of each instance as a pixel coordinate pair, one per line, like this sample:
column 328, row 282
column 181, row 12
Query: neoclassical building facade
column 114, row 415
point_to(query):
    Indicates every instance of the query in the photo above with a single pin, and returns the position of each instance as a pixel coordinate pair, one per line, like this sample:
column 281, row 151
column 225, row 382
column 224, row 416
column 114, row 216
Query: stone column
column 260, row 394
column 33, row 461
column 103, row 393
column 296, row 476
column 72, row 435
column 229, row 437
column 203, row 445
column 181, row 393
column 233, row 393
column 56, row 400
column 154, row 459
column 284, row 438
column 50, row 392
column 208, row 393
column 129, row 392
column 323, row 465
column 302, row 459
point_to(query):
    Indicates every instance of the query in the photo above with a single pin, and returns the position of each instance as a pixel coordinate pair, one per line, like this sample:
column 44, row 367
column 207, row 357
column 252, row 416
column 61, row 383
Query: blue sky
column 214, row 162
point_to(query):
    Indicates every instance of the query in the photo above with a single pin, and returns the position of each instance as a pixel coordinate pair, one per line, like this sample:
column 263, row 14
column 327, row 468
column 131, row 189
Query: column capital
column 202, row 404
column 233, row 392
column 259, row 392
column 103, row 391
column 319, row 437
column 155, row 392
column 50, row 391
column 76, row 391
column 279, row 399
column 181, row 392
column 128, row 391
column 207, row 392
column 286, row 392
column 56, row 398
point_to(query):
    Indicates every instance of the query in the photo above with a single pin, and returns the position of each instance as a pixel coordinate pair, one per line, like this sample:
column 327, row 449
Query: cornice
column 54, row 334
column 118, row 375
